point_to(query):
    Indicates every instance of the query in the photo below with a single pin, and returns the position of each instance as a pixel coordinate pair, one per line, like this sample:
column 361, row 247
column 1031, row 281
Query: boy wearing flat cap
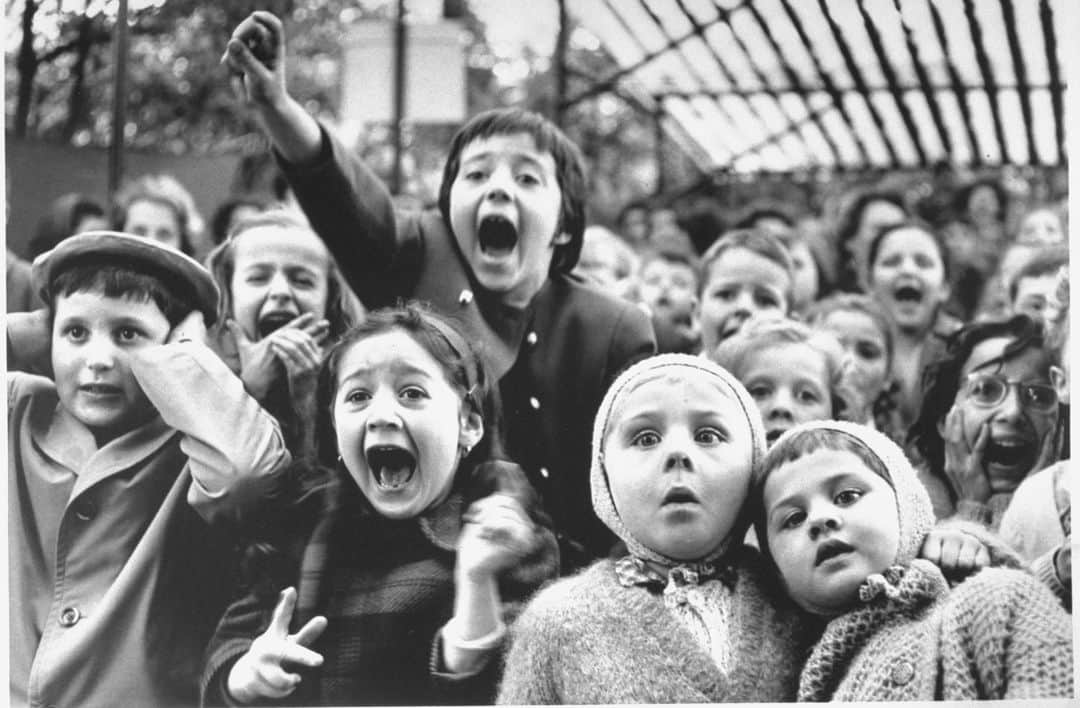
column 126, row 471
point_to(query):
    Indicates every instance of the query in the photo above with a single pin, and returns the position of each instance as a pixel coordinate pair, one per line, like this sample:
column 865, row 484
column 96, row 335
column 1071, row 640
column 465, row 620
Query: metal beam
column 1020, row 69
column 860, row 82
column 792, row 76
column 699, row 31
column 830, row 87
column 1046, row 18
column 924, row 84
column 957, row 85
column 987, row 72
column 890, row 79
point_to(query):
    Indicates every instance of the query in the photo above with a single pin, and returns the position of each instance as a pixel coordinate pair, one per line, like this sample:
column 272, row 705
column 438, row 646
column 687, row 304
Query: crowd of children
column 481, row 453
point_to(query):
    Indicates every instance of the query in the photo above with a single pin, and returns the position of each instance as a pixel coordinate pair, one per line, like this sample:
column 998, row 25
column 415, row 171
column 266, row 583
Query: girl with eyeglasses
column 990, row 417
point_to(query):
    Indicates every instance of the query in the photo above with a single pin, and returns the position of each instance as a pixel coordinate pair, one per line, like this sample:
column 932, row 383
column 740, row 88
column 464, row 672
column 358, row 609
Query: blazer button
column 535, row 403
column 465, row 297
column 85, row 510
column 902, row 673
column 544, row 472
column 530, row 338
column 70, row 616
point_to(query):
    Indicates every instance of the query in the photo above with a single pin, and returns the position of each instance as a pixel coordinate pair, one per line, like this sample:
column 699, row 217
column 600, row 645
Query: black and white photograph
column 476, row 352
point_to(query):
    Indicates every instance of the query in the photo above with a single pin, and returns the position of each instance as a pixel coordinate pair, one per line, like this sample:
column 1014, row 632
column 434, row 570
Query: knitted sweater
column 588, row 639
column 998, row 635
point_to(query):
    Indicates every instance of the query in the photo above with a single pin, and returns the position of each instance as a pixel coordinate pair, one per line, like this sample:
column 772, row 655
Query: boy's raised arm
column 234, row 447
column 347, row 205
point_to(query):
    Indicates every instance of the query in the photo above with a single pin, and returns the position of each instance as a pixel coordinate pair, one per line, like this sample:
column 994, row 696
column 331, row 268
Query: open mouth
column 679, row 495
column 908, row 293
column 273, row 321
column 1009, row 452
column 98, row 389
column 497, row 235
column 392, row 466
column 771, row 436
column 831, row 549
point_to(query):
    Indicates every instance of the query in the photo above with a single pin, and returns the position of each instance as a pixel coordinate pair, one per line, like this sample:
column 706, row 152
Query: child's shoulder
column 574, row 295
column 997, row 590
column 24, row 387
column 578, row 599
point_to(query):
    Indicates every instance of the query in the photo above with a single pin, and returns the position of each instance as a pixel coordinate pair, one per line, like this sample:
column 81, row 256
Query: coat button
column 902, row 673
column 544, row 472
column 70, row 616
column 465, row 297
column 535, row 403
column 531, row 339
column 85, row 510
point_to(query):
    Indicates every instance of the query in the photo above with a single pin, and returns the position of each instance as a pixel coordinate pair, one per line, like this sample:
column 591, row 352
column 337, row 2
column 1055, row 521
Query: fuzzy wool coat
column 998, row 635
column 588, row 639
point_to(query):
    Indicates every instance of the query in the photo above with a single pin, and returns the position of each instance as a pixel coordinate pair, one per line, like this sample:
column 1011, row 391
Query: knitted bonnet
column 669, row 365
column 914, row 510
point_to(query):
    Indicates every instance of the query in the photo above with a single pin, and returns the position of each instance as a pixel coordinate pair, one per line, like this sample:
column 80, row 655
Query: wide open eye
column 646, row 439
column 847, row 497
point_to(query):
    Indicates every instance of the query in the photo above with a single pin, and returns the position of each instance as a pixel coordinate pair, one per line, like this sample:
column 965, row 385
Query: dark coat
column 386, row 588
column 554, row 358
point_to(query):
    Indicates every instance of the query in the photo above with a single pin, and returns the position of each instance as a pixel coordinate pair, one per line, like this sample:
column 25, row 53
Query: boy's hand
column 963, row 463
column 191, row 328
column 497, row 533
column 259, row 674
column 258, row 365
column 256, row 54
column 958, row 554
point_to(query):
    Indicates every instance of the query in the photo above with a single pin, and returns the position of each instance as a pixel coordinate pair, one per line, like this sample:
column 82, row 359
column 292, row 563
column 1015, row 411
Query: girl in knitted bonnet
column 841, row 512
column 691, row 614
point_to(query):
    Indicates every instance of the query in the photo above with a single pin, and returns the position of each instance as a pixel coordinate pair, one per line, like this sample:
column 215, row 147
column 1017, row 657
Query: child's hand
column 958, row 554
column 298, row 350
column 963, row 463
column 259, row 368
column 192, row 327
column 259, row 674
column 256, row 53
column 1063, row 561
column 497, row 533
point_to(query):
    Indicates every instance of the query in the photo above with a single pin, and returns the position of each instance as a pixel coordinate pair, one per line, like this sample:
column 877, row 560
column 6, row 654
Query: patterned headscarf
column 670, row 364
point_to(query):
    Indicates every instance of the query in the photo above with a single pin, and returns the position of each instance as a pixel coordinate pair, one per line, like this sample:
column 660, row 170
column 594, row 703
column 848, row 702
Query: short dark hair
column 941, row 378
column 1045, row 261
column 797, row 445
column 464, row 370
column 918, row 225
column 847, row 278
column 121, row 281
column 569, row 171
column 764, row 244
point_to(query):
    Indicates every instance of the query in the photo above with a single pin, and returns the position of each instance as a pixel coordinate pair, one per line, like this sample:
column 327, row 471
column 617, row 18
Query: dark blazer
column 554, row 358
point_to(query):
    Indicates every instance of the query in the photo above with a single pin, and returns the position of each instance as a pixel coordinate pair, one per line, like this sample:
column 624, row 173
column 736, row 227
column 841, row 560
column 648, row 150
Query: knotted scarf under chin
column 680, row 580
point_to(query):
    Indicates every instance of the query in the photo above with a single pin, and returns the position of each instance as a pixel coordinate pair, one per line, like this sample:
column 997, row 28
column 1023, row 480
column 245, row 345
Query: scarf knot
column 680, row 579
column 886, row 583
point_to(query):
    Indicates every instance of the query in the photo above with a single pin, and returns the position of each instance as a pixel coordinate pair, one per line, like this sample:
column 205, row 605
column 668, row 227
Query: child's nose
column 100, row 354
column 382, row 412
column 678, row 459
column 823, row 520
column 780, row 406
column 279, row 286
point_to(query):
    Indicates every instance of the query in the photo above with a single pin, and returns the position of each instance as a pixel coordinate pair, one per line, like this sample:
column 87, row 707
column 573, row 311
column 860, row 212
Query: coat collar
column 63, row 439
column 919, row 585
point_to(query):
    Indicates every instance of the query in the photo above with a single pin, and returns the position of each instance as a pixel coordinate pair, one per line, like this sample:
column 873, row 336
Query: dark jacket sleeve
column 245, row 619
column 632, row 341
column 351, row 211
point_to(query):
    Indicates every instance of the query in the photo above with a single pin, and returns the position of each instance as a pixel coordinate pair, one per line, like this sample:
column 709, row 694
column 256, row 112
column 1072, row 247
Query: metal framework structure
column 785, row 85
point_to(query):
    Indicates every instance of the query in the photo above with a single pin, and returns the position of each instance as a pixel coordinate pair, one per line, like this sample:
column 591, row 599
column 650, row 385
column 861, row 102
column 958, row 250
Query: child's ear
column 1060, row 382
column 472, row 429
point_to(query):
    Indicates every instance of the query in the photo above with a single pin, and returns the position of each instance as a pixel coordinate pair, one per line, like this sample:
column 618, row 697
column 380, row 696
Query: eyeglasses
column 988, row 390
